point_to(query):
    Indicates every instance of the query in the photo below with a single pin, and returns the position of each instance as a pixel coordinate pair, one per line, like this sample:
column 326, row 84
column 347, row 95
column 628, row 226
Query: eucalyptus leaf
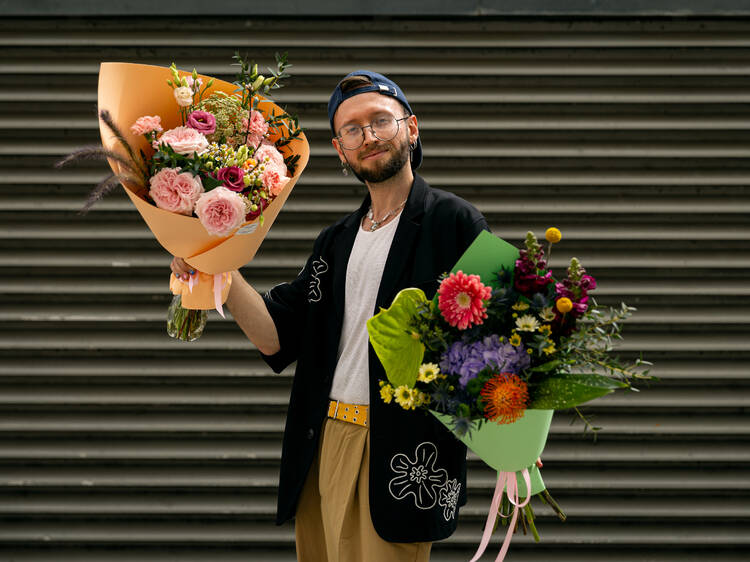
column 567, row 390
column 399, row 351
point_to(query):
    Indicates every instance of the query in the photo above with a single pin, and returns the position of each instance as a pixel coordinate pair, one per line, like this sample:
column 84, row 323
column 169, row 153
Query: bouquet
column 208, row 165
column 501, row 346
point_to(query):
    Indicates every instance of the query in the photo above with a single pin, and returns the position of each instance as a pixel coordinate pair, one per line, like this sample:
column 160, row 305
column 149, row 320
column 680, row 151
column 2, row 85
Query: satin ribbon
column 505, row 479
column 220, row 281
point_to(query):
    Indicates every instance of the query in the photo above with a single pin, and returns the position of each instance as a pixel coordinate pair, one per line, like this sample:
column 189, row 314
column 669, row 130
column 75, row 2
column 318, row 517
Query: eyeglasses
column 384, row 128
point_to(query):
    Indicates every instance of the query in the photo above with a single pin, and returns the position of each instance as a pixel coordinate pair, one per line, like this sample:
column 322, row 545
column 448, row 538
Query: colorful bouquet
column 500, row 347
column 208, row 164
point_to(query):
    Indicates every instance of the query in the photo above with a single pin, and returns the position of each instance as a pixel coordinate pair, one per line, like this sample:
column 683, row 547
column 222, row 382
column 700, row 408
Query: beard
column 398, row 156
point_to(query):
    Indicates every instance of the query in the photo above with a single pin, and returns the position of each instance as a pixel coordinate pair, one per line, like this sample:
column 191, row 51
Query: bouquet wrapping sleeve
column 129, row 91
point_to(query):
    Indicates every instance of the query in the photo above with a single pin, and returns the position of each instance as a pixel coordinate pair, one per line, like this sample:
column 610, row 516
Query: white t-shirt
column 351, row 380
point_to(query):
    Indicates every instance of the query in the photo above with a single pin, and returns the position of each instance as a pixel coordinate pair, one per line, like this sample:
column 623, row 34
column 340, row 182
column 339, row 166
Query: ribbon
column 504, row 479
column 219, row 284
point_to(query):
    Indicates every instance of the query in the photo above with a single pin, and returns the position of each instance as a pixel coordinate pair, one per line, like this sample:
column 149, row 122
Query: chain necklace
column 376, row 224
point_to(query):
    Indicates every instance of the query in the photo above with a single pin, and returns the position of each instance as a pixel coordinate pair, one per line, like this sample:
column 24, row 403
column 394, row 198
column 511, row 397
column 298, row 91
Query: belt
column 352, row 413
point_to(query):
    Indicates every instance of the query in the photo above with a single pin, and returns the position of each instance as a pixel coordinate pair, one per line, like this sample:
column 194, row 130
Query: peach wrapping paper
column 129, row 91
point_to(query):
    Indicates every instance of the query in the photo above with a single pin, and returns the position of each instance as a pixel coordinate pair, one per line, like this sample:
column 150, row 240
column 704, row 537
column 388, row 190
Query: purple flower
column 202, row 121
column 232, row 178
column 468, row 359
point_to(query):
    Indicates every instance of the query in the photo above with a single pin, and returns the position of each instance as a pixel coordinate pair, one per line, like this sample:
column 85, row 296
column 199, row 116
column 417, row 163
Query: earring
column 345, row 168
column 413, row 146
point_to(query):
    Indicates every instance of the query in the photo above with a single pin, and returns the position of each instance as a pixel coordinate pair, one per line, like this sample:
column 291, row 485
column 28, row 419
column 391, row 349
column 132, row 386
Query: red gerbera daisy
column 461, row 300
column 504, row 396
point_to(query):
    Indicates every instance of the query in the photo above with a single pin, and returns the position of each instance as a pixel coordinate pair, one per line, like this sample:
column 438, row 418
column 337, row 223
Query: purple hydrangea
column 468, row 359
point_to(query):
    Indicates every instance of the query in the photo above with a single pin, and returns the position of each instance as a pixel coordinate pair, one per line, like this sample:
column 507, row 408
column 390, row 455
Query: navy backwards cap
column 382, row 85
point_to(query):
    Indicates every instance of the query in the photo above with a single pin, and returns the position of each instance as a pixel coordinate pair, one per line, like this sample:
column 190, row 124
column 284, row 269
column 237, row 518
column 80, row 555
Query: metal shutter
column 631, row 135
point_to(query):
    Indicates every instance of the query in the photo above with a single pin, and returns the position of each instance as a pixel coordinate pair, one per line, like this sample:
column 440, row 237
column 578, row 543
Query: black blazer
column 417, row 467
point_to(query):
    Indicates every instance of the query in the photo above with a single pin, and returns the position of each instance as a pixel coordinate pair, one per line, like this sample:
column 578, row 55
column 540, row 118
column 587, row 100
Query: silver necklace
column 376, row 224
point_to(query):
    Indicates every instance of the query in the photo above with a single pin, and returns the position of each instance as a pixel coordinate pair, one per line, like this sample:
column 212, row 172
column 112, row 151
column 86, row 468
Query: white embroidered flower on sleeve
column 319, row 267
column 418, row 476
column 448, row 498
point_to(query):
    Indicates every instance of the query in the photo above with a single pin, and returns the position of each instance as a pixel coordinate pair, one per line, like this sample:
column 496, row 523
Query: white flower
column 418, row 477
column 183, row 95
column 449, row 498
column 428, row 372
column 527, row 323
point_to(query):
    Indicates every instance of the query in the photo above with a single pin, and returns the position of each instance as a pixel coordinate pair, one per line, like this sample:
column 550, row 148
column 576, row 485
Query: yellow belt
column 352, row 413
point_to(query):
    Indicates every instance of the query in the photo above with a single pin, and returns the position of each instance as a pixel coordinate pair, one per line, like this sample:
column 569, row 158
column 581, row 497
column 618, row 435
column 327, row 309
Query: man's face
column 376, row 160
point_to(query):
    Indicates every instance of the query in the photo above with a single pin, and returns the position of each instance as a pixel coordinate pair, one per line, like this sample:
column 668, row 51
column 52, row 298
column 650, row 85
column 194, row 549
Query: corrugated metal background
column 632, row 136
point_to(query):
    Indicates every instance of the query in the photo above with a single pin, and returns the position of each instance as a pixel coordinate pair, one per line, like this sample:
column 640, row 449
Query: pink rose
column 274, row 156
column 146, row 124
column 174, row 191
column 273, row 181
column 232, row 178
column 185, row 140
column 256, row 125
column 220, row 211
column 202, row 121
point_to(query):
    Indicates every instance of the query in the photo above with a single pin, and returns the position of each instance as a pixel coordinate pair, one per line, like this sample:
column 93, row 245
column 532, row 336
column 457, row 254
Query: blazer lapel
column 397, row 264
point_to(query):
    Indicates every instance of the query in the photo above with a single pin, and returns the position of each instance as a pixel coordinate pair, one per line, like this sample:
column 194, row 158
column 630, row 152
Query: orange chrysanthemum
column 504, row 396
column 461, row 300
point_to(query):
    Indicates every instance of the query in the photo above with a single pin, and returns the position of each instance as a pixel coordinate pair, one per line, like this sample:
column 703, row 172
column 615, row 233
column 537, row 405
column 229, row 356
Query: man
column 366, row 480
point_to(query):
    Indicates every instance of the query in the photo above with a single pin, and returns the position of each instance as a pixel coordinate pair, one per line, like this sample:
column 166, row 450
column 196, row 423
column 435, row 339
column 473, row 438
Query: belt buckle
column 336, row 411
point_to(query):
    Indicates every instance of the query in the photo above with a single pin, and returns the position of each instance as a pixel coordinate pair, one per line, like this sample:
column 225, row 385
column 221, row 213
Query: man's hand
column 181, row 269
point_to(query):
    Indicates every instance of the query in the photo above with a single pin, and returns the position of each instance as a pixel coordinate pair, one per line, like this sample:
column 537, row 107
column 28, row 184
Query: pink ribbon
column 219, row 284
column 505, row 479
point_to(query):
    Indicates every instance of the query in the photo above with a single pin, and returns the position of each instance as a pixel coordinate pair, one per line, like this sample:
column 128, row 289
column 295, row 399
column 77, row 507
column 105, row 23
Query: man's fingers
column 180, row 268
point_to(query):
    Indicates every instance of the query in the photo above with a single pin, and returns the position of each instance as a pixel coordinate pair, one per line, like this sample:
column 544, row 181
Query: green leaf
column 398, row 350
column 210, row 182
column 567, row 390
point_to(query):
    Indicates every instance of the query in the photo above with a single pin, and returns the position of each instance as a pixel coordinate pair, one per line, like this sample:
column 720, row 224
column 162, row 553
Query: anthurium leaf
column 399, row 351
column 567, row 390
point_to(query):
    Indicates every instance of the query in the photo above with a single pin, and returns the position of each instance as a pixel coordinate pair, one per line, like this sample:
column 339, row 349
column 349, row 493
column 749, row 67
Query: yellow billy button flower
column 428, row 372
column 553, row 235
column 527, row 323
column 386, row 392
column 564, row 305
column 515, row 340
column 520, row 306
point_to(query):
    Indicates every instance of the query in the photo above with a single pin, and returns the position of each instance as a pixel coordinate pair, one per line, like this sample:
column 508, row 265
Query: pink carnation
column 185, row 140
column 270, row 151
column 254, row 139
column 461, row 300
column 256, row 125
column 174, row 191
column 220, row 211
column 273, row 181
column 146, row 124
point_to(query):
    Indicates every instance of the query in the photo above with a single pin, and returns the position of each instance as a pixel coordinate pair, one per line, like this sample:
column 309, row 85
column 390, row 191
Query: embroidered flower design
column 448, row 498
column 319, row 267
column 418, row 476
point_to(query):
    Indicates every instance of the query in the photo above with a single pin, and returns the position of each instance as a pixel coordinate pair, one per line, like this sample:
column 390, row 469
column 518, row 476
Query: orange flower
column 504, row 396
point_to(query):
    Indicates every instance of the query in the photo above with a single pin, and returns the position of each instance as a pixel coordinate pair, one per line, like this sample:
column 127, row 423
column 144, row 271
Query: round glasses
column 384, row 128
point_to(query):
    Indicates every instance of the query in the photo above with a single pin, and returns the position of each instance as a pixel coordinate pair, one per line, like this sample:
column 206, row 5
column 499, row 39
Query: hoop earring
column 345, row 168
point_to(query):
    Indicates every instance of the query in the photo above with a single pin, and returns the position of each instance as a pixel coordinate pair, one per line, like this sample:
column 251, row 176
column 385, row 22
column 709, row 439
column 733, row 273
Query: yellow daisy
column 545, row 329
column 550, row 349
column 428, row 372
column 515, row 340
column 547, row 314
column 520, row 306
column 527, row 323
column 386, row 393
column 404, row 397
